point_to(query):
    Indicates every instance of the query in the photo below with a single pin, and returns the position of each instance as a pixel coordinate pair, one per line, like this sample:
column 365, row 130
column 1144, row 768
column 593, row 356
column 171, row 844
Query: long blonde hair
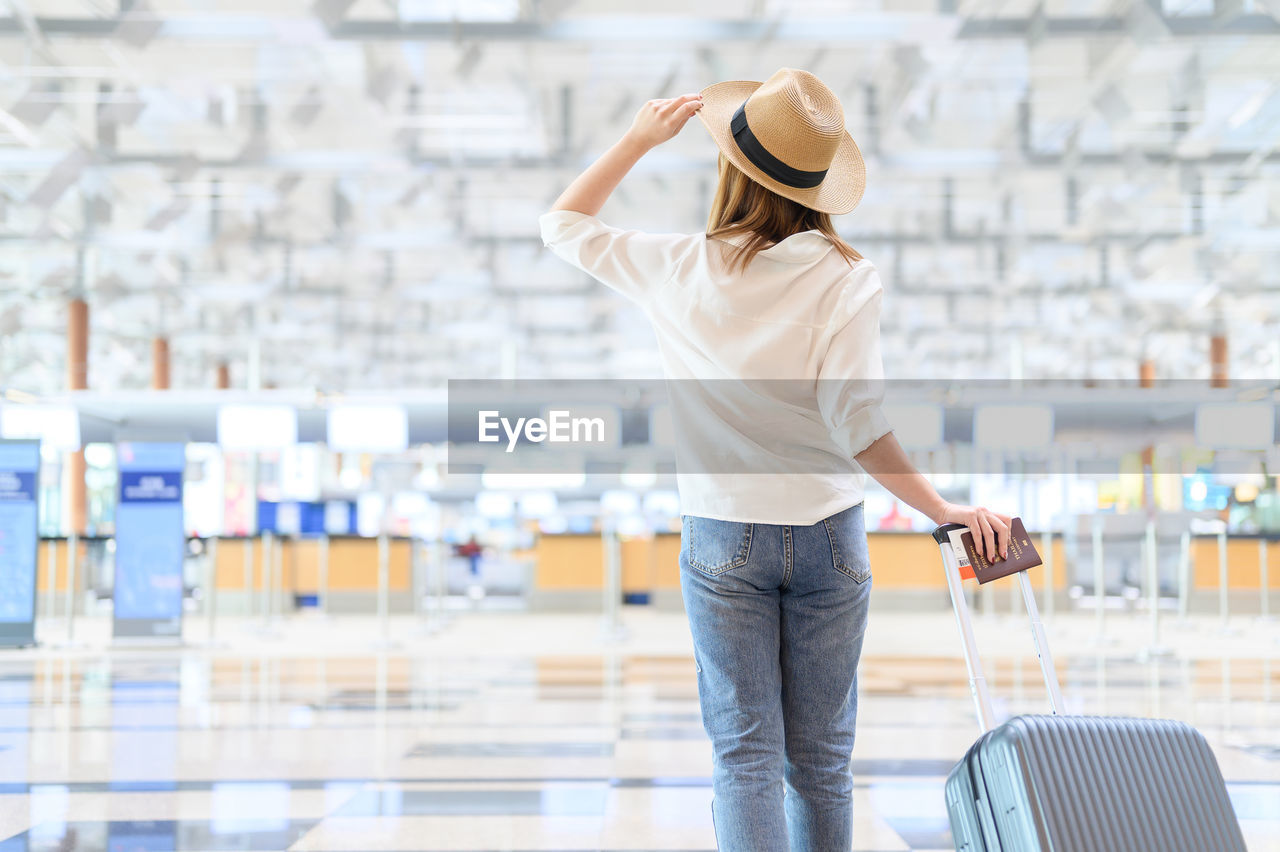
column 742, row 206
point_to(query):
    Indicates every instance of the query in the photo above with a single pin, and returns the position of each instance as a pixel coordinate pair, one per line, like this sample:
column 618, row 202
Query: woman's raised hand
column 661, row 119
column 990, row 531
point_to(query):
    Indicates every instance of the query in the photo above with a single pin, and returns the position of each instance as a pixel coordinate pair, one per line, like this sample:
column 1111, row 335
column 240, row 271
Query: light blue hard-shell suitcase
column 1059, row 783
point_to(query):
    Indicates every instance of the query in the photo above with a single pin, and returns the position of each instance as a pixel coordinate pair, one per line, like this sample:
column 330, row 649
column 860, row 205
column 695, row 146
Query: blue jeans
column 777, row 615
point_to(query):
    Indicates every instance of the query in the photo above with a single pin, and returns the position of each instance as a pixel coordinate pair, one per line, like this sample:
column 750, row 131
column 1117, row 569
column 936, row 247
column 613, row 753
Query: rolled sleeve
column 851, row 378
column 634, row 263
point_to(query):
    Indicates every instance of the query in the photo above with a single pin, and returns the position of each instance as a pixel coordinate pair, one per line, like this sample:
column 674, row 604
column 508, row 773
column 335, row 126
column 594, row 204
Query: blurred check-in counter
column 1244, row 552
column 906, row 570
column 905, row 567
column 566, row 571
column 352, row 572
column 239, row 565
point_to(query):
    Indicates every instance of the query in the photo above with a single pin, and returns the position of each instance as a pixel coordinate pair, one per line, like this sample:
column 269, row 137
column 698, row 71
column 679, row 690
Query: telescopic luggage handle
column 977, row 678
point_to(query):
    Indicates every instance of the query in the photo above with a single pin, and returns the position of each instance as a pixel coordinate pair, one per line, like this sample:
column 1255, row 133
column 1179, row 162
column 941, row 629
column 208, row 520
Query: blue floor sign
column 19, row 473
column 150, row 540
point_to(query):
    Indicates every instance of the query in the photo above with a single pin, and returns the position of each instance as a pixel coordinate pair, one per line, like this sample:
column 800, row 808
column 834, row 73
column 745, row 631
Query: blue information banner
column 19, row 473
column 150, row 540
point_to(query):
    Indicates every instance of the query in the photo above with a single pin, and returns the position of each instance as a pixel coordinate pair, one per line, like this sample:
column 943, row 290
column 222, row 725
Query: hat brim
column 842, row 187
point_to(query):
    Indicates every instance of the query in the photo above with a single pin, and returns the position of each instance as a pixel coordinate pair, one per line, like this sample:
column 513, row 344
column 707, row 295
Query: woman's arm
column 888, row 464
column 657, row 121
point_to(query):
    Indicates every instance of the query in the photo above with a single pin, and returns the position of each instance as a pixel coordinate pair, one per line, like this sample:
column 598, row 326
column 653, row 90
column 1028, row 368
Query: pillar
column 77, row 379
column 1146, row 373
column 1147, row 379
column 160, row 363
column 1218, row 359
column 77, row 345
column 222, row 380
column 1218, row 373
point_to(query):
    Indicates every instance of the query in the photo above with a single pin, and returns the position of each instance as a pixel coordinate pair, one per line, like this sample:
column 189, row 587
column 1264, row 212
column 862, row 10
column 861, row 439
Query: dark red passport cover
column 1022, row 555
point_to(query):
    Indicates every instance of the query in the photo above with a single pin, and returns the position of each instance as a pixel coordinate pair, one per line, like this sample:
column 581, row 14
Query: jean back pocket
column 849, row 543
column 714, row 546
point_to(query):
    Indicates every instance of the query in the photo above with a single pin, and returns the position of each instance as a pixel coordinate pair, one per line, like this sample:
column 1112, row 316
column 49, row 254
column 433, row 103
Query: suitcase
column 1058, row 783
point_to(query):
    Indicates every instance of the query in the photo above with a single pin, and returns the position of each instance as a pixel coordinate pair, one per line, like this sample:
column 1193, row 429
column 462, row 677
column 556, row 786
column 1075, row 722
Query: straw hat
column 788, row 134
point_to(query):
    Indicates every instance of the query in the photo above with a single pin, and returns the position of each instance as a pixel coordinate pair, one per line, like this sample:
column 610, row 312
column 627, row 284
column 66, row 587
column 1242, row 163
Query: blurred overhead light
column 99, row 455
column 56, row 426
column 522, row 481
column 350, row 477
column 635, row 478
column 1246, row 492
column 538, row 504
column 370, row 508
column 257, row 427
column 620, row 502
column 368, row 428
column 662, row 503
column 495, row 505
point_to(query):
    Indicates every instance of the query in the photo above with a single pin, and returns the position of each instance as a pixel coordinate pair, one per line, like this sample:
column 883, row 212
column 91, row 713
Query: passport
column 1022, row 554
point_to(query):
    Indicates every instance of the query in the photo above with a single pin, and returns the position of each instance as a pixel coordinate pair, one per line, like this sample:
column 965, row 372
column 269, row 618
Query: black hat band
column 766, row 162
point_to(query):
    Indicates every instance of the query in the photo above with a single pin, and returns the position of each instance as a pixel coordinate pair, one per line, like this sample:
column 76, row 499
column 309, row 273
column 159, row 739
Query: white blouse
column 786, row 356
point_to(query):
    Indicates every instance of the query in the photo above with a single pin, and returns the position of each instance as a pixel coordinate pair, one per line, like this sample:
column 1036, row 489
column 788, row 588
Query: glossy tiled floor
column 510, row 731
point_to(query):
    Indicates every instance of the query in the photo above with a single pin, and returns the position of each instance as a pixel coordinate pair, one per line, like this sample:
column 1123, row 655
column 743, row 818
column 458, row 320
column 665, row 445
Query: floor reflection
column 158, row 836
column 192, row 749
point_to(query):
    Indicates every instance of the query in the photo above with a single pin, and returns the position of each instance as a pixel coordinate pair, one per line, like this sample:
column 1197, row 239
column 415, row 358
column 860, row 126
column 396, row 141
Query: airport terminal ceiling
column 345, row 195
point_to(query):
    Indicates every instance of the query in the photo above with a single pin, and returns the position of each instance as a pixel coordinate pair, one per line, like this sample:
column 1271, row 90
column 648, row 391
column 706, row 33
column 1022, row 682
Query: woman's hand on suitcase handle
column 990, row 530
column 890, row 466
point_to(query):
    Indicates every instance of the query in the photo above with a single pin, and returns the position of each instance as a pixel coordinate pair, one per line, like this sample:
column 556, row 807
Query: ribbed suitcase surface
column 1085, row 783
column 969, row 812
